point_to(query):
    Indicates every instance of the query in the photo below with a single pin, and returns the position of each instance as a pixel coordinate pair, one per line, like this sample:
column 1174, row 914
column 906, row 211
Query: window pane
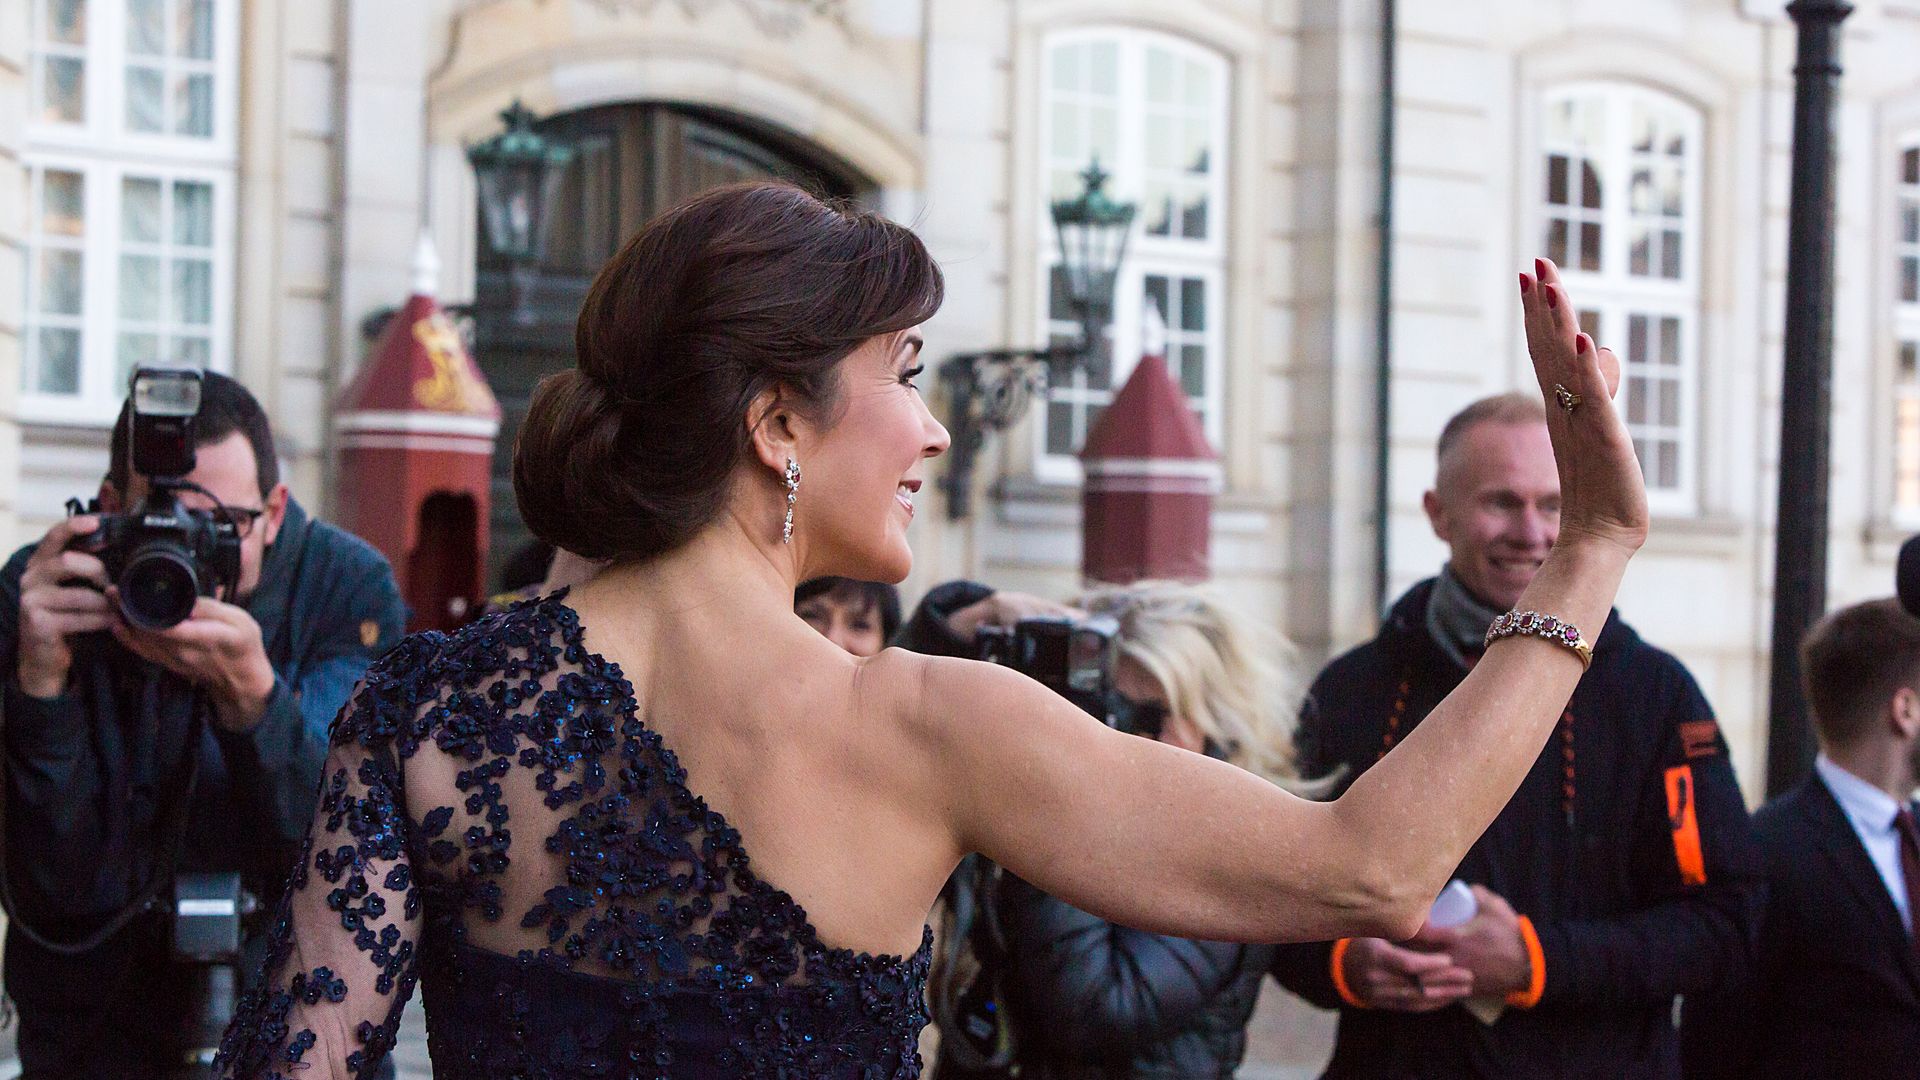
column 59, row 361
column 1666, row 469
column 1193, row 370
column 146, row 99
column 63, row 96
column 1637, row 339
column 1669, row 403
column 1160, row 76
column 1557, row 179
column 140, row 210
column 192, row 351
column 193, row 105
column 136, row 350
column 1589, row 245
column 61, row 282
column 1640, row 252
column 196, row 29
column 1194, row 152
column 1103, row 68
column 1557, row 241
column 1910, row 278
column 1193, row 304
column 1910, row 223
column 139, row 287
column 63, row 210
column 1909, row 360
column 1589, row 186
column 1156, row 203
column 1199, row 93
column 1670, row 342
column 1157, row 295
column 1193, row 215
column 193, row 292
column 1640, row 192
column 1670, row 254
column 1911, row 166
column 1065, row 135
column 1162, row 153
column 1636, row 400
column 66, row 22
column 1060, row 428
column 147, row 27
column 1067, row 64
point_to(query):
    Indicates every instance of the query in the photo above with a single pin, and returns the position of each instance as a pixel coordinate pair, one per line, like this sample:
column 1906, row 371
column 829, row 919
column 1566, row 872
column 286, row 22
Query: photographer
column 104, row 801
column 1087, row 998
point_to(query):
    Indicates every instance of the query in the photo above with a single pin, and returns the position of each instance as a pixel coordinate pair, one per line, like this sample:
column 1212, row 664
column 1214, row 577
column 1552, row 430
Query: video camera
column 163, row 555
column 1074, row 658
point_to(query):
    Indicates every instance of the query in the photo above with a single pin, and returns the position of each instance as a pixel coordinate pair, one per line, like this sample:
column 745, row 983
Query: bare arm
column 1155, row 838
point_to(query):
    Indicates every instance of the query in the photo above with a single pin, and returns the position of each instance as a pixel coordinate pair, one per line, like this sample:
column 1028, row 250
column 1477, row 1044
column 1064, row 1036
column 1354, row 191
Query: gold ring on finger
column 1567, row 398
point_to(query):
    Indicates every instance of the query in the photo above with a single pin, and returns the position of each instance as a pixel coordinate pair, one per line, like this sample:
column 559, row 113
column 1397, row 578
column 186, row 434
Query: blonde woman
column 1088, row 998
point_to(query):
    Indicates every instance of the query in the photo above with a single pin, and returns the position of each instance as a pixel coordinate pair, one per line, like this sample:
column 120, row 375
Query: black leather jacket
column 1090, row 999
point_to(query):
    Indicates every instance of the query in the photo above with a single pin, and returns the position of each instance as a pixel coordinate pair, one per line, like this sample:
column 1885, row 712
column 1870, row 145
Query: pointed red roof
column 1150, row 418
column 420, row 365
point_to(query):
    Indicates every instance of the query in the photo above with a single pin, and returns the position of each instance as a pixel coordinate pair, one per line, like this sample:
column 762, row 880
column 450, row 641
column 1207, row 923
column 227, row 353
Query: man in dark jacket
column 1834, row 989
column 96, row 715
column 1086, row 999
column 1619, row 876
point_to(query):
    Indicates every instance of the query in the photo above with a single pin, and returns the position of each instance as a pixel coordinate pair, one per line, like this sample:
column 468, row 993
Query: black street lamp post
column 1800, row 563
column 990, row 390
column 516, row 172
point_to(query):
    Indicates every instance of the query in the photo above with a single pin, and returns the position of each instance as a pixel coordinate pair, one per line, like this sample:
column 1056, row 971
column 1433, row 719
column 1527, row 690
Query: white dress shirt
column 1871, row 812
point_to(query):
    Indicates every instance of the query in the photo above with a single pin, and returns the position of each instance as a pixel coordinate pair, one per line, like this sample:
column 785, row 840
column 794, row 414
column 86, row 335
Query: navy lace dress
column 499, row 825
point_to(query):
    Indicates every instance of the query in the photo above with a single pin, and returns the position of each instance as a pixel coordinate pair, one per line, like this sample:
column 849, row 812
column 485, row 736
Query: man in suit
column 1834, row 987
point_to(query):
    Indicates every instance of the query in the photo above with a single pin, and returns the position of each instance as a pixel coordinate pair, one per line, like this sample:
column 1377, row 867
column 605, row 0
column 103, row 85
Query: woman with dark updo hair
column 658, row 827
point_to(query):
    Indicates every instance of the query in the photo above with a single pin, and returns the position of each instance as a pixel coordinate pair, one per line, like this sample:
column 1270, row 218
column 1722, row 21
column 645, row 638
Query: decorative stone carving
column 777, row 18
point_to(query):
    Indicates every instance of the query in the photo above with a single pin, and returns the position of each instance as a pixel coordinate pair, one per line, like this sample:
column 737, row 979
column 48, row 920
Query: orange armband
column 1536, row 964
column 1337, row 968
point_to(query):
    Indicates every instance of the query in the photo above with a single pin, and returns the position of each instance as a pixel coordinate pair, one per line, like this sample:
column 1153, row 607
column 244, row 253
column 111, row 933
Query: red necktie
column 1910, row 868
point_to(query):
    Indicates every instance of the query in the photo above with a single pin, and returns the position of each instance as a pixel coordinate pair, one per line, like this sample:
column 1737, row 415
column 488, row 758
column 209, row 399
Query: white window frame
column 1173, row 257
column 1613, row 293
column 105, row 152
column 1906, row 333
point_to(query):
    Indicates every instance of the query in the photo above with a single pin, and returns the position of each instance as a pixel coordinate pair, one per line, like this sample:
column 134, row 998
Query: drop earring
column 793, row 496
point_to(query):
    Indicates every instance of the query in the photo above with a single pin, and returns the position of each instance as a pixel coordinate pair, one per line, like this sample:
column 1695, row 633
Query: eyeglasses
column 1144, row 718
column 241, row 518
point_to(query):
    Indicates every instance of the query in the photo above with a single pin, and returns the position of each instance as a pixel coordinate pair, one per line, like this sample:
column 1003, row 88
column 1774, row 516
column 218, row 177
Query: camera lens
column 158, row 588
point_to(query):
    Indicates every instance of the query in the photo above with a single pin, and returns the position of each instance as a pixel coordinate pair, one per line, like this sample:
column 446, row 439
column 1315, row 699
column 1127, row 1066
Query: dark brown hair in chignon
column 728, row 294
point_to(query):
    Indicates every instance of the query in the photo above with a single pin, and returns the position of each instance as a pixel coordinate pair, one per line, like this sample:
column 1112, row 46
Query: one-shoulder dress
column 498, row 825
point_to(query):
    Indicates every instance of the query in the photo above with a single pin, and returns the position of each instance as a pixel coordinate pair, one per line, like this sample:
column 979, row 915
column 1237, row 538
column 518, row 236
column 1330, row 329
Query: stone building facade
column 241, row 183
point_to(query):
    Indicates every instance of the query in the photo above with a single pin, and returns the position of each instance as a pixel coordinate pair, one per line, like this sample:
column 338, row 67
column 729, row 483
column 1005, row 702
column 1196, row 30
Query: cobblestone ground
column 1286, row 1041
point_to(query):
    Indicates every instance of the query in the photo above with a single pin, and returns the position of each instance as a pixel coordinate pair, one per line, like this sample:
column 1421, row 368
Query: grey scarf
column 1456, row 619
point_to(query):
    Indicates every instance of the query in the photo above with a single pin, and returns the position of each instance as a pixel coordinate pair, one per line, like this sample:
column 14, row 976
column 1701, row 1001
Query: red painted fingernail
column 1553, row 295
column 1582, row 343
column 1524, row 284
column 1540, row 267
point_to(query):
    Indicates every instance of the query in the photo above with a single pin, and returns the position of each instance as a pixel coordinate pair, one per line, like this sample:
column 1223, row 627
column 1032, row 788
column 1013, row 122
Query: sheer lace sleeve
column 341, row 956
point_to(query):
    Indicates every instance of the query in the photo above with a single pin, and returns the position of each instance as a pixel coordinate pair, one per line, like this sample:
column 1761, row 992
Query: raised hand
column 1604, row 496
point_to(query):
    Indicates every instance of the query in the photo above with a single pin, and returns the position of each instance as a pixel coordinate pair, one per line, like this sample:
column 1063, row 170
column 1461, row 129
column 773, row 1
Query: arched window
column 129, row 151
column 1152, row 109
column 1621, row 213
column 1906, row 333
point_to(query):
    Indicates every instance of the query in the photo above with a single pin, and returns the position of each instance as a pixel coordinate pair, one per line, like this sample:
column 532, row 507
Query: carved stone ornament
column 777, row 18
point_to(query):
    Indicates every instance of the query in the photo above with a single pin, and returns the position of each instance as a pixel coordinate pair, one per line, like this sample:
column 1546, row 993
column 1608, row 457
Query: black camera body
column 1072, row 657
column 163, row 555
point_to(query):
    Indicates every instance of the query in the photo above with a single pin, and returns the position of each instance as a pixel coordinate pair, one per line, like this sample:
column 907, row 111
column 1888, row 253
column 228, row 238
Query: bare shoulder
column 935, row 698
